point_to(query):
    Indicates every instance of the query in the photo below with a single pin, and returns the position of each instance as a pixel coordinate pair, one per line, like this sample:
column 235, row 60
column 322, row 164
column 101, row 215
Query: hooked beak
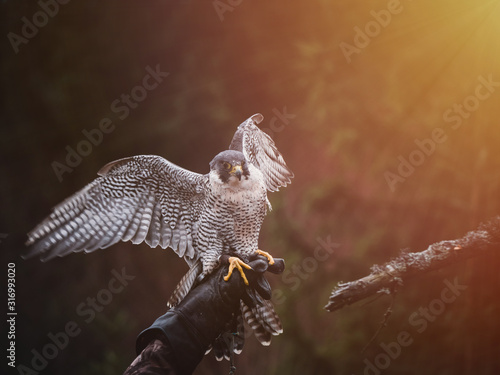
column 237, row 171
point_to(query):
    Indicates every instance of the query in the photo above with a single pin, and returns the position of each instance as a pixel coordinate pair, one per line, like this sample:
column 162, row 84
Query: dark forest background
column 349, row 123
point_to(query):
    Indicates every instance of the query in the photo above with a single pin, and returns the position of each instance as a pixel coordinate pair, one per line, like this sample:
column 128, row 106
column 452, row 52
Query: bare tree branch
column 383, row 323
column 408, row 265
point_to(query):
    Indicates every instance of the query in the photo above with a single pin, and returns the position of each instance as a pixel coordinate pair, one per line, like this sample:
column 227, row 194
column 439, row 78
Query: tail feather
column 233, row 339
column 239, row 338
column 266, row 316
column 185, row 285
column 263, row 320
column 259, row 331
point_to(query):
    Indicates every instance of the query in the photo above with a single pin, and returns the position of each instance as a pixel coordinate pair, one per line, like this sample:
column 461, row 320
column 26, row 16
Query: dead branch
column 382, row 279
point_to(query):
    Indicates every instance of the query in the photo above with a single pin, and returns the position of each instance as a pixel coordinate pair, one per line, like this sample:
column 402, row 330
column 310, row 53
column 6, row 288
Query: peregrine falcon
column 147, row 198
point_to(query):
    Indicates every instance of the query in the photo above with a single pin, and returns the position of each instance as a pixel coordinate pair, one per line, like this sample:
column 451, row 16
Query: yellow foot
column 267, row 255
column 237, row 263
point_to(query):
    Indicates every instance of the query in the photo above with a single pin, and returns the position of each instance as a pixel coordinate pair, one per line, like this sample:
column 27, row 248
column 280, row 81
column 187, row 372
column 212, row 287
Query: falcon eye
column 226, row 165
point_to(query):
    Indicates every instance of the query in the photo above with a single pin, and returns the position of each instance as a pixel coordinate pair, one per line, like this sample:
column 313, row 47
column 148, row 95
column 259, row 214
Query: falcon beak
column 237, row 171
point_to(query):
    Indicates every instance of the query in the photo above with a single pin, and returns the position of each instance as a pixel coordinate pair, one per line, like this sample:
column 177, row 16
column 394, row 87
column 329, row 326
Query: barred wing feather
column 260, row 150
column 140, row 198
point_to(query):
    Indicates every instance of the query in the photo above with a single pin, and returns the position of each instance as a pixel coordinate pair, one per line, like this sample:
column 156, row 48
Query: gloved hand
column 232, row 337
column 190, row 327
column 255, row 276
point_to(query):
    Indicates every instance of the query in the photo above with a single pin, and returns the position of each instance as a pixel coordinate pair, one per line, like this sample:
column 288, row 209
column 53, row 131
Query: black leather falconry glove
column 178, row 340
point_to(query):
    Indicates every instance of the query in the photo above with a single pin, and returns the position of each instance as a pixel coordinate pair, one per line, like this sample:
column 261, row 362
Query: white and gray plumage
column 147, row 198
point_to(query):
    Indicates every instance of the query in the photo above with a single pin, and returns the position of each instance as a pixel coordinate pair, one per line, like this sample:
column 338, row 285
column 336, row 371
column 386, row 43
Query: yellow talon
column 237, row 263
column 267, row 255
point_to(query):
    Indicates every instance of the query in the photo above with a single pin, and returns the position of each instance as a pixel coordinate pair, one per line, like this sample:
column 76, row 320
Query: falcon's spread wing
column 260, row 150
column 141, row 198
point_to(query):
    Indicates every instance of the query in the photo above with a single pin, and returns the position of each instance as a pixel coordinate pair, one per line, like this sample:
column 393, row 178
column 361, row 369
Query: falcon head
column 230, row 166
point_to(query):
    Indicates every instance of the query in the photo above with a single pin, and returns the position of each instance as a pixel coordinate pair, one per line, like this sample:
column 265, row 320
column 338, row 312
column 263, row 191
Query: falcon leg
column 267, row 255
column 237, row 263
